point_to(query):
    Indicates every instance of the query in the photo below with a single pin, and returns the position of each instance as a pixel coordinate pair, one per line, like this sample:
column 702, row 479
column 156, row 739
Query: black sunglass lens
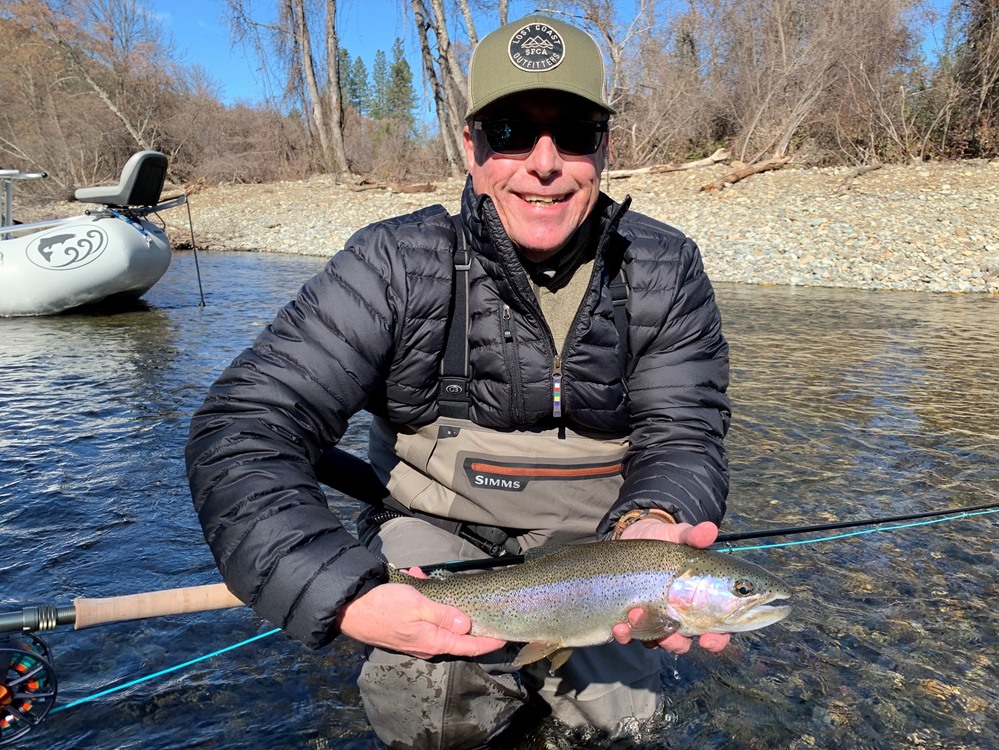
column 508, row 137
column 578, row 138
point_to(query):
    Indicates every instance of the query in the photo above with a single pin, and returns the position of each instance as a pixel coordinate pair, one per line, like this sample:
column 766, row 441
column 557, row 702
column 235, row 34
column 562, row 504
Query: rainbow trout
column 574, row 596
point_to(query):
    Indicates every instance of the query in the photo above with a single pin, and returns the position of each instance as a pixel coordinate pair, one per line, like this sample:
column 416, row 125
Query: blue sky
column 201, row 36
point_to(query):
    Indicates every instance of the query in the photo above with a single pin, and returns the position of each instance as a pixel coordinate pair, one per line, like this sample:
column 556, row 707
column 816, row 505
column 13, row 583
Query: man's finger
column 702, row 535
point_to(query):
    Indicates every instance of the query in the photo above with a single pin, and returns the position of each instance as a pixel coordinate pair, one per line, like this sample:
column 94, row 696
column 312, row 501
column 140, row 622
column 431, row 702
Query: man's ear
column 468, row 139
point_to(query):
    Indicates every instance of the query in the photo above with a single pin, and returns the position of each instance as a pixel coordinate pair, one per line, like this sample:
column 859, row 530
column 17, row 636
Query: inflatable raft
column 110, row 253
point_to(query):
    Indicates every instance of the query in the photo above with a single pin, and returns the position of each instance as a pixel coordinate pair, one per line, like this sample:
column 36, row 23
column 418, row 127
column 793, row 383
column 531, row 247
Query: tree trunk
column 452, row 150
column 453, row 79
column 741, row 174
column 333, row 97
column 304, row 42
column 722, row 154
column 473, row 37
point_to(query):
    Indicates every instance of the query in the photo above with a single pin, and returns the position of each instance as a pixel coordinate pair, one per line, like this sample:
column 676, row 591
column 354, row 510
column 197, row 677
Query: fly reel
column 27, row 684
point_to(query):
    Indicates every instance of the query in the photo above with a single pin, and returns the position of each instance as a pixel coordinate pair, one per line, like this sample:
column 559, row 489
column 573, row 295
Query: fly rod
column 792, row 530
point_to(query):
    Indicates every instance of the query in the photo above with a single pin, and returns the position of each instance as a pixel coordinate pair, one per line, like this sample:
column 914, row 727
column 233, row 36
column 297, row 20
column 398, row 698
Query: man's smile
column 544, row 200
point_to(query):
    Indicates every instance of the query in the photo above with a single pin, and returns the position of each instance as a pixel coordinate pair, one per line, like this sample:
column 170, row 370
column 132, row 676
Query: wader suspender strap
column 452, row 399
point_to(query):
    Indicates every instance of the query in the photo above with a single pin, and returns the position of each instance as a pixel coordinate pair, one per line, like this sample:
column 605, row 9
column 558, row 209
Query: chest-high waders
column 503, row 491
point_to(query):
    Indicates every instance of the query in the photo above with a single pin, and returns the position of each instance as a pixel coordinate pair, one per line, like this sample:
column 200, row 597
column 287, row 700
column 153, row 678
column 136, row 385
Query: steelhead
column 574, row 596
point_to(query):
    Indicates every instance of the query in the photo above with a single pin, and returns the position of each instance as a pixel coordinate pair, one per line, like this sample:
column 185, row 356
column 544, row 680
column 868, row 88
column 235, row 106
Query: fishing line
column 166, row 671
column 861, row 532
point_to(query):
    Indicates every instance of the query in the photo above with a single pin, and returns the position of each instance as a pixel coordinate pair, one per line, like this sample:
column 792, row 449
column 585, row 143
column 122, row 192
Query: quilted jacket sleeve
column 264, row 424
column 676, row 389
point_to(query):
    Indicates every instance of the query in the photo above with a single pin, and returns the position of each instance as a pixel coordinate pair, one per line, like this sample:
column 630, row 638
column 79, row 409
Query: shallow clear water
column 848, row 404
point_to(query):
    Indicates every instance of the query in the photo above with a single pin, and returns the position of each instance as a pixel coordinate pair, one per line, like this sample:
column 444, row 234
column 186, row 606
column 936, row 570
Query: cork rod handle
column 90, row 612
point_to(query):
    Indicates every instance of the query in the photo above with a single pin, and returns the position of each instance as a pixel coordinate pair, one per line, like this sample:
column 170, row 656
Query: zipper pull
column 557, row 387
column 507, row 333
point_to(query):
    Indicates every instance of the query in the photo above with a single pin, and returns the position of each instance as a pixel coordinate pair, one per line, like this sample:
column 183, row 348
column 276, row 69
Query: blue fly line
column 162, row 672
column 772, row 545
column 861, row 532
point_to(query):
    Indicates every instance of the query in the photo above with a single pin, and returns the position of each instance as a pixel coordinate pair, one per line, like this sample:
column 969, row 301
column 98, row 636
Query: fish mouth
column 758, row 613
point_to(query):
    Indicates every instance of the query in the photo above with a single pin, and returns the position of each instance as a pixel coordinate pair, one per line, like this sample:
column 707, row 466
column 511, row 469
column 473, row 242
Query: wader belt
column 452, row 395
column 492, row 540
column 354, row 477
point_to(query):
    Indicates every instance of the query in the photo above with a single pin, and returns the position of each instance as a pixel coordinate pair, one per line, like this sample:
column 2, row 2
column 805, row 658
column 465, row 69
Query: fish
column 573, row 596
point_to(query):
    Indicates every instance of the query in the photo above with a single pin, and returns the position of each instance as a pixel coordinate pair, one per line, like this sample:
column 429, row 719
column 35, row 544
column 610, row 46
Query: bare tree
column 319, row 97
column 466, row 12
column 334, row 100
column 442, row 89
column 976, row 73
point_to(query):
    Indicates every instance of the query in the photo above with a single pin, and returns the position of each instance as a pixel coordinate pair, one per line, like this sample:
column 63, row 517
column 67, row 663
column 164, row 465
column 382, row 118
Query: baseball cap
column 534, row 53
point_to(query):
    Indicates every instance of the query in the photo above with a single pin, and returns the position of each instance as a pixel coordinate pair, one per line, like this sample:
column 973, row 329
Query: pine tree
column 344, row 76
column 360, row 93
column 379, row 88
column 401, row 98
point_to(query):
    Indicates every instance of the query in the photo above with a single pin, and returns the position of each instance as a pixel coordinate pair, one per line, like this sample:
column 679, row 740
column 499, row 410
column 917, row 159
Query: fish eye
column 743, row 587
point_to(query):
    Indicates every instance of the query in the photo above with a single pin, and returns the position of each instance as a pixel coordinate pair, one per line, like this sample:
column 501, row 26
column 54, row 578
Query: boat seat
column 140, row 185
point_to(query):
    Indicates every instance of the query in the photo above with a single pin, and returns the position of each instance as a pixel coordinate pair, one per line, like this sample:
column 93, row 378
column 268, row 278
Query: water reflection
column 847, row 404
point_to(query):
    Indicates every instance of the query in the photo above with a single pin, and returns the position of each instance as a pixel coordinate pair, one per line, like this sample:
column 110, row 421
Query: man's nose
column 544, row 157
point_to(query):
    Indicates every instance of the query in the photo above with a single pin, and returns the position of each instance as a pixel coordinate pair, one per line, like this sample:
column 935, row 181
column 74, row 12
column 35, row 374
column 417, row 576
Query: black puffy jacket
column 368, row 333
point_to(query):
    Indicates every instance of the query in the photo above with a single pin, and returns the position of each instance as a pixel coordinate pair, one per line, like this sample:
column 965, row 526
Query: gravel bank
column 927, row 227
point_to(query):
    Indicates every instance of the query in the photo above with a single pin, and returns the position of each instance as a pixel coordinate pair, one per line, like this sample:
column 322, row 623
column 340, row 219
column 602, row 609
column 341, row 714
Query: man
column 547, row 333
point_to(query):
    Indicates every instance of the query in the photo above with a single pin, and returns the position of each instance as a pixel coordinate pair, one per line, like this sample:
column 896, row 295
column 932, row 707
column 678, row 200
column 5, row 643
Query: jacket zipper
column 557, row 387
column 513, row 364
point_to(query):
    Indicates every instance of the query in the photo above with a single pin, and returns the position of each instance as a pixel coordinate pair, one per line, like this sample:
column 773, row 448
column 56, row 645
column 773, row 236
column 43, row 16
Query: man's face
column 543, row 196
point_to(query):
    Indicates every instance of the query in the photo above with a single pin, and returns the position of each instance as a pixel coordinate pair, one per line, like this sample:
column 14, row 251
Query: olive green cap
column 534, row 53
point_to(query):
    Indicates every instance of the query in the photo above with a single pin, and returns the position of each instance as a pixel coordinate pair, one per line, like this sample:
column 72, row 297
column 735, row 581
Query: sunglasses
column 512, row 137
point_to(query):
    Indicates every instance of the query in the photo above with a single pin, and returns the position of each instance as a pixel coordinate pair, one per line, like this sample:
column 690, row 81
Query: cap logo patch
column 536, row 48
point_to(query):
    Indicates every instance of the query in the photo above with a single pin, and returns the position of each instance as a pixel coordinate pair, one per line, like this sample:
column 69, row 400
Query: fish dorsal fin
column 653, row 625
column 535, row 651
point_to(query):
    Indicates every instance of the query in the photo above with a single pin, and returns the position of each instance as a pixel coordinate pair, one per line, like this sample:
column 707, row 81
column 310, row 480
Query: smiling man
column 546, row 367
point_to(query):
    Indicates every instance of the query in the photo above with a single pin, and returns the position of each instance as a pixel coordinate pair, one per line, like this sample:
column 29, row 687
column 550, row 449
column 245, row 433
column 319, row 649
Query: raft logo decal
column 536, row 48
column 66, row 249
column 514, row 477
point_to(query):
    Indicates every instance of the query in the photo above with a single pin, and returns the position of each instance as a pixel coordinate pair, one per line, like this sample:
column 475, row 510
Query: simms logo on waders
column 536, row 47
column 514, row 476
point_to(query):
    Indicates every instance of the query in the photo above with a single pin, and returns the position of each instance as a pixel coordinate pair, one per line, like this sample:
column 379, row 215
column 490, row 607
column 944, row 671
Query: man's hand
column 399, row 618
column 700, row 536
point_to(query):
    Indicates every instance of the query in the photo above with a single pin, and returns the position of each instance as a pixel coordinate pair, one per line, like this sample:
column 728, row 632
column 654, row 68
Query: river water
column 848, row 404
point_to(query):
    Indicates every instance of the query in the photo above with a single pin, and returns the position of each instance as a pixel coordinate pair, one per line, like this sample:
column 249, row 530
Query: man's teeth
column 543, row 200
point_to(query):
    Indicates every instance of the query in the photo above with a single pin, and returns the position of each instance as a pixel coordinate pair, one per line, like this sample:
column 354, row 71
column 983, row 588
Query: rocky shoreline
column 924, row 227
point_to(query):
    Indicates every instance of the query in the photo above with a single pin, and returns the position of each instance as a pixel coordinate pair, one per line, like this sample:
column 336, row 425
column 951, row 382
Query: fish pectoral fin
column 653, row 625
column 560, row 657
column 537, row 650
